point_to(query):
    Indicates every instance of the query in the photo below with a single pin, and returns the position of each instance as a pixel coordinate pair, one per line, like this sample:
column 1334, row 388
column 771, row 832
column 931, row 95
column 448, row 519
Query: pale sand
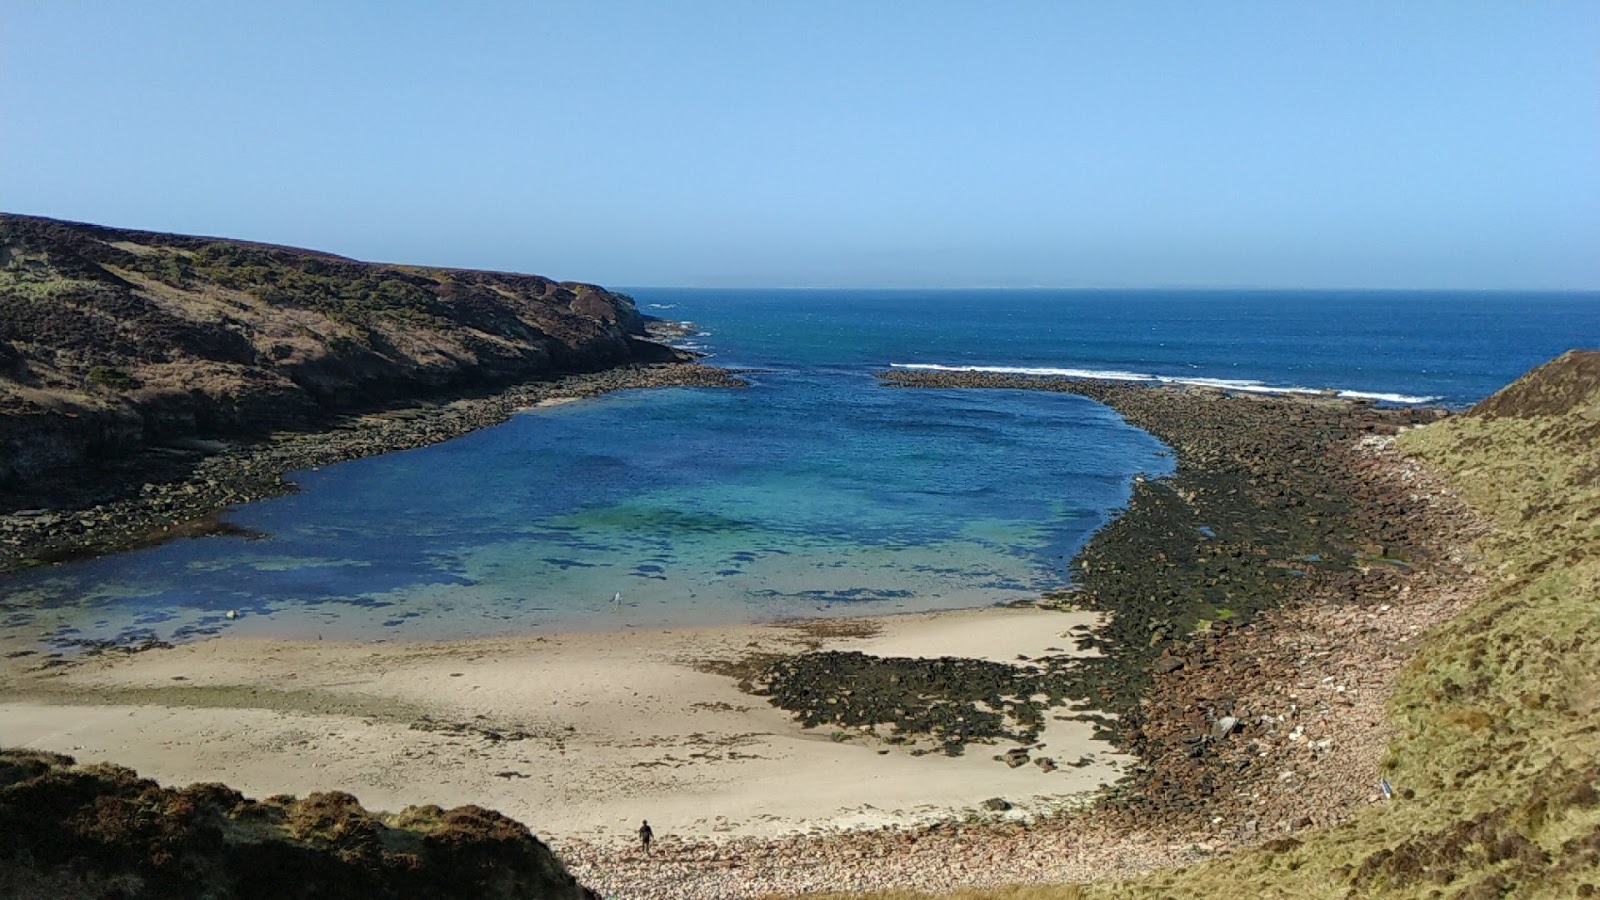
column 623, row 727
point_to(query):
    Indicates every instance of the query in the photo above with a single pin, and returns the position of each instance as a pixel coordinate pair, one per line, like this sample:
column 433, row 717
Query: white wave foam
column 1106, row 374
column 1226, row 384
column 1387, row 398
column 663, row 306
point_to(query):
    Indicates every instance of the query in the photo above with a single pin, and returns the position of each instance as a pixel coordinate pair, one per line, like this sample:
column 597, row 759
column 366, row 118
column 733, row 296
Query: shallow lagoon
column 809, row 493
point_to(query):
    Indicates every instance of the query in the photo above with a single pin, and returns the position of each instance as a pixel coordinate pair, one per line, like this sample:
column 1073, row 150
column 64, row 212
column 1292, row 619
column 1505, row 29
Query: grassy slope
column 1499, row 716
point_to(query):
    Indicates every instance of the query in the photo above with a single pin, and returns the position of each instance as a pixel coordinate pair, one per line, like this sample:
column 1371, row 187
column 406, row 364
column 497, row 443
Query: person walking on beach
column 645, row 835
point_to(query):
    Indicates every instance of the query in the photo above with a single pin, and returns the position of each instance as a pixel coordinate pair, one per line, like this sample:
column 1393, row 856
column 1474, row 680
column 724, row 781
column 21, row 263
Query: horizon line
column 1153, row 287
column 605, row 283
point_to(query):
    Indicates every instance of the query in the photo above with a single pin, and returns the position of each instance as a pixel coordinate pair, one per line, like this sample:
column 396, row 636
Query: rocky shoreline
column 1269, row 507
column 175, row 490
column 1260, row 604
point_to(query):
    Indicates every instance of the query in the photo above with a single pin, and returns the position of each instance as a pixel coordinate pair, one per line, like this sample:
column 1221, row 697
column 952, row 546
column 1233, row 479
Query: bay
column 814, row 492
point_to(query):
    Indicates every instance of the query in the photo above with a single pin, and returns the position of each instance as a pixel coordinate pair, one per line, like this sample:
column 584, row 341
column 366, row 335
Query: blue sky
column 1450, row 144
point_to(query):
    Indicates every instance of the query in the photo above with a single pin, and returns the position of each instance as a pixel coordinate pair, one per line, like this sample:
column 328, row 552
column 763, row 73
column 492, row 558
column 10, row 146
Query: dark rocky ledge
column 174, row 490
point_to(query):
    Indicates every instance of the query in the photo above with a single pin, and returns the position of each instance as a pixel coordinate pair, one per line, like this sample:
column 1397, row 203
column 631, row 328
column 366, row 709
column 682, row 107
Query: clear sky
column 1124, row 144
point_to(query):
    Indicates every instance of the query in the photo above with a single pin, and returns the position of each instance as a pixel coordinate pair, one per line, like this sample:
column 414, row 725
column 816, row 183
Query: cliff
column 102, row 831
column 115, row 340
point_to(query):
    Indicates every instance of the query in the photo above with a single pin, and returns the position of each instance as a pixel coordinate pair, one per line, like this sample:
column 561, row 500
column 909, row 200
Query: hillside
column 114, row 340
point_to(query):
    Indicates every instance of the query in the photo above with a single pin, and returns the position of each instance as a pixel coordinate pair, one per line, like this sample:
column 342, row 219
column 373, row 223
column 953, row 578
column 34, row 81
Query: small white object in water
column 233, row 614
column 617, row 599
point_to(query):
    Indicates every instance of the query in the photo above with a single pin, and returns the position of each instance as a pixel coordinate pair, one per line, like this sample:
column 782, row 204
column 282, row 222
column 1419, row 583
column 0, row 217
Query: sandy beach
column 580, row 735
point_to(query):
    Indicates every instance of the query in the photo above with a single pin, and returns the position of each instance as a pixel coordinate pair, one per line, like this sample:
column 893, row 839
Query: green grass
column 113, row 378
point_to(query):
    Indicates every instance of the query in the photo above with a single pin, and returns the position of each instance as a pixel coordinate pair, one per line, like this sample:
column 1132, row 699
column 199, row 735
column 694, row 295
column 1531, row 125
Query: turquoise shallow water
column 806, row 494
column 813, row 492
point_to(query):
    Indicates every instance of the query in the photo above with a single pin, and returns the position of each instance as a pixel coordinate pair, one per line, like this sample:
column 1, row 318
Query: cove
column 813, row 492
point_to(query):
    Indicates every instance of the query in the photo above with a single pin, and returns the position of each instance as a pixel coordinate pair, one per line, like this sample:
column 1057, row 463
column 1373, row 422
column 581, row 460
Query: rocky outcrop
column 102, row 831
column 114, row 340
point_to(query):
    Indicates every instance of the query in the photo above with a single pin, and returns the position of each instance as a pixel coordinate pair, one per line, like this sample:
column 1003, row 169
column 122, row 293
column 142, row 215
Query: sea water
column 816, row 491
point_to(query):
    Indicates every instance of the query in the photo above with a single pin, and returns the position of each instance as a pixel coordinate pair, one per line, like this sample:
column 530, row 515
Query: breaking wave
column 1227, row 384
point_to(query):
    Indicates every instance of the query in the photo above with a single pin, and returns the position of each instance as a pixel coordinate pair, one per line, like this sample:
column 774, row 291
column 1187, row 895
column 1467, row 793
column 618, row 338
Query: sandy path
column 580, row 735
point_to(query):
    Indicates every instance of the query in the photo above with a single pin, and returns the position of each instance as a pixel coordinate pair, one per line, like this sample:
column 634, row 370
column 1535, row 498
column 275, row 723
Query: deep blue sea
column 813, row 492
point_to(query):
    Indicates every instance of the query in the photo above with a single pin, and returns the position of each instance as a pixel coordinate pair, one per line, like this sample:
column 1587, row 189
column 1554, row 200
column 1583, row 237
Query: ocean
column 814, row 492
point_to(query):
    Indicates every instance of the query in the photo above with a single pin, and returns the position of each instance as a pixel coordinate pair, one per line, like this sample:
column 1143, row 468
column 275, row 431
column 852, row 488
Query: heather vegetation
column 102, row 831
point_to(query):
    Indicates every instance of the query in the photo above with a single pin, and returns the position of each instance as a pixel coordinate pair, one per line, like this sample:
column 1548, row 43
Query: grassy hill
column 112, row 340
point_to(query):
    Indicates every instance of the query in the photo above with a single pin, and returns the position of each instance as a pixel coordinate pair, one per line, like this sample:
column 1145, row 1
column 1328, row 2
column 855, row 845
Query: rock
column 1014, row 757
column 995, row 804
column 1045, row 763
column 1224, row 726
column 1166, row 665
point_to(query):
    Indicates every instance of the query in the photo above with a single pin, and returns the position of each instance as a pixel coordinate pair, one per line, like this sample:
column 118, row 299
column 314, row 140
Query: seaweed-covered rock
column 952, row 701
